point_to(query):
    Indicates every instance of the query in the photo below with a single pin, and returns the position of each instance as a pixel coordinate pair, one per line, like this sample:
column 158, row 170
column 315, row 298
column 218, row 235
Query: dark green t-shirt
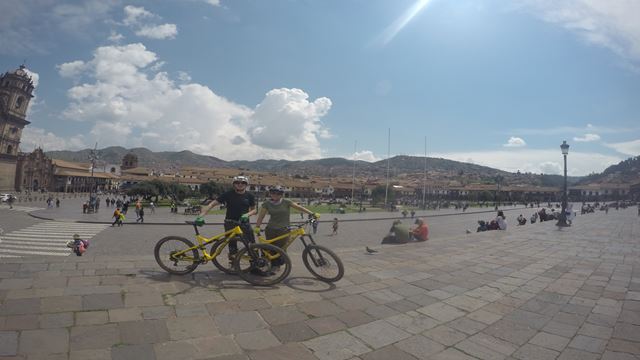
column 402, row 232
column 279, row 214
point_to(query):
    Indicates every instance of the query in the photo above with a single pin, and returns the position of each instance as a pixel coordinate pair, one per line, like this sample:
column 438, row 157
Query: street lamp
column 562, row 220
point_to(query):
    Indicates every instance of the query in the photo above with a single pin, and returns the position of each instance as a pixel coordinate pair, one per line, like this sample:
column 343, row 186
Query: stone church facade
column 16, row 91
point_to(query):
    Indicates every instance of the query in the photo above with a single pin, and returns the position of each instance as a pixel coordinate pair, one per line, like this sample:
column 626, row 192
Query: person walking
column 240, row 205
column 279, row 210
column 140, row 218
column 117, row 216
column 334, row 226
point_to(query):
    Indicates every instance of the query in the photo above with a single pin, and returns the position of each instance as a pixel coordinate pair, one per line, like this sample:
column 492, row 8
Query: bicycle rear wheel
column 323, row 263
column 258, row 269
column 179, row 265
column 224, row 260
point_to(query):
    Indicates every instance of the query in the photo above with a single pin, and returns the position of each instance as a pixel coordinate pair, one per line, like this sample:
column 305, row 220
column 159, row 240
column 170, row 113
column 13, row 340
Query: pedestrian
column 279, row 210
column 153, row 207
column 84, row 207
column 57, row 202
column 240, row 205
column 314, row 226
column 117, row 217
column 138, row 207
column 413, row 213
column 334, row 226
column 140, row 215
column 11, row 199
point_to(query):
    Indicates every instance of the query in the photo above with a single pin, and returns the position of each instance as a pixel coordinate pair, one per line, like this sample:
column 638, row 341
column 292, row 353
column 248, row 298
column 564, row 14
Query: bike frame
column 293, row 234
column 225, row 237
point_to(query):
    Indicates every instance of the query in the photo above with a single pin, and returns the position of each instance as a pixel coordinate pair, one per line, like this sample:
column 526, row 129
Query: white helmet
column 242, row 179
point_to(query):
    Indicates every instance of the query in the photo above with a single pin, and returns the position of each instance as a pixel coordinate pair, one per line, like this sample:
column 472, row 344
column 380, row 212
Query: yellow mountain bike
column 321, row 262
column 177, row 255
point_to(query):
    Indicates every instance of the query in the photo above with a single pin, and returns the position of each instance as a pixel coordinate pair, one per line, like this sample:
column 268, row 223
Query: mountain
column 410, row 168
column 146, row 157
column 625, row 172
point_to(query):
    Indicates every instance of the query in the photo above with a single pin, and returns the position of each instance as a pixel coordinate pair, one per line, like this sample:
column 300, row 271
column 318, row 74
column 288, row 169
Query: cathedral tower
column 16, row 91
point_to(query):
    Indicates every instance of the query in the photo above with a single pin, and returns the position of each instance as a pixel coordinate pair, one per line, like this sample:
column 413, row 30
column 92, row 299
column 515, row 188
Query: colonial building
column 16, row 91
column 34, row 172
column 129, row 161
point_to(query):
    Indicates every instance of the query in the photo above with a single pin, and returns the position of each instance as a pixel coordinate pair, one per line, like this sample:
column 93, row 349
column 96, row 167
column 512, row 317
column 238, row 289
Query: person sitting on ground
column 500, row 219
column 398, row 234
column 78, row 245
column 420, row 232
column 482, row 226
column 521, row 220
column 534, row 217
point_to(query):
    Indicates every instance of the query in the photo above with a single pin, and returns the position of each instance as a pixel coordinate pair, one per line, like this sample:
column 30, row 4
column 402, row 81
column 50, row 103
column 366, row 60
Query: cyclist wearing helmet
column 279, row 210
column 240, row 205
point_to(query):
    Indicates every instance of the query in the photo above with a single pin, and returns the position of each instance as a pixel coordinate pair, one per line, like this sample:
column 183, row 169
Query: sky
column 500, row 83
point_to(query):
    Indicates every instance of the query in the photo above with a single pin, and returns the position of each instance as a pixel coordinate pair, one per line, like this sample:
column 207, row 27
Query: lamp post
column 562, row 221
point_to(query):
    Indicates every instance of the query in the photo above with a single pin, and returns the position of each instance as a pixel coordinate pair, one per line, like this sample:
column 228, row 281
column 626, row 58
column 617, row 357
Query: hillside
column 409, row 167
column 625, row 172
column 146, row 157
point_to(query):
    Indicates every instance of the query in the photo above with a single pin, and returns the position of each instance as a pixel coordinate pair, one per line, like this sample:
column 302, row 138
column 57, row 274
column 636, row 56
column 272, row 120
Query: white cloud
column 609, row 23
column 164, row 31
column 134, row 15
column 536, row 161
column 213, row 2
column 587, row 138
column 143, row 20
column 33, row 137
column 628, row 148
column 115, row 37
column 515, row 142
column 71, row 69
column 184, row 76
column 364, row 155
column 131, row 105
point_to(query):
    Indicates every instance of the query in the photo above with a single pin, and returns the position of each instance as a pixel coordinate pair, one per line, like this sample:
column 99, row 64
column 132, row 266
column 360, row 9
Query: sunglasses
column 240, row 182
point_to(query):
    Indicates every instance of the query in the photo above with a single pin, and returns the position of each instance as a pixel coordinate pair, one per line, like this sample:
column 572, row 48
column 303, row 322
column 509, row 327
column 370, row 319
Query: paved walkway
column 527, row 293
column 71, row 210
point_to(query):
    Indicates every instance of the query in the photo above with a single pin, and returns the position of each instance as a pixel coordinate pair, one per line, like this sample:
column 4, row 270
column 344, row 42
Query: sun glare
column 392, row 30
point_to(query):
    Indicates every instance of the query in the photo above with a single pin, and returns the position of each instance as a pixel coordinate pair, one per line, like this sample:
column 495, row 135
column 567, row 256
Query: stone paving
column 526, row 293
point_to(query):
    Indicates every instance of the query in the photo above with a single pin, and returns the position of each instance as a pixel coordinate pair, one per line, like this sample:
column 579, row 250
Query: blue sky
column 497, row 83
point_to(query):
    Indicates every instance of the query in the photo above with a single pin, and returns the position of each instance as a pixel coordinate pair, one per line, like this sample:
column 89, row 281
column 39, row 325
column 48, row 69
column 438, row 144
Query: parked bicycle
column 253, row 263
column 321, row 262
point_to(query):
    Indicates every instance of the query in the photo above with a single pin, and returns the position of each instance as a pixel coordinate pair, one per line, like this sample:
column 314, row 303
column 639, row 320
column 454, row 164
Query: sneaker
column 259, row 272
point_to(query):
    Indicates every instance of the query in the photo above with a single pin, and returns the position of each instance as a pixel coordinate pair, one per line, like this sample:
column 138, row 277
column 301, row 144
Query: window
column 14, row 130
column 19, row 102
column 9, row 149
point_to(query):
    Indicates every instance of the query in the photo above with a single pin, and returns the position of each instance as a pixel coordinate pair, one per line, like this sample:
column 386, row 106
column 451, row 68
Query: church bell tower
column 16, row 91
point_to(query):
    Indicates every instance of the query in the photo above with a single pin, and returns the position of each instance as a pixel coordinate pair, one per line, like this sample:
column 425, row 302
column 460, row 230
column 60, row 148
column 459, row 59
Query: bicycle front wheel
column 224, row 260
column 262, row 264
column 185, row 262
column 322, row 263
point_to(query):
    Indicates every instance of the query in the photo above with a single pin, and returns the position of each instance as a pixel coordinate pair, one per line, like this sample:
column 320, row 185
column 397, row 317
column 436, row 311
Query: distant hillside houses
column 36, row 172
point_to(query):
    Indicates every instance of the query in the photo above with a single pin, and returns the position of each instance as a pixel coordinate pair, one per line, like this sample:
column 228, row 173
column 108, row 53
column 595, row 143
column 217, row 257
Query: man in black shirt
column 240, row 205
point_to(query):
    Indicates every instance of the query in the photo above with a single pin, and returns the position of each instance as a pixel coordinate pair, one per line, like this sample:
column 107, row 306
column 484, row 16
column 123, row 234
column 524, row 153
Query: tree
column 211, row 189
column 377, row 195
column 144, row 188
column 178, row 191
